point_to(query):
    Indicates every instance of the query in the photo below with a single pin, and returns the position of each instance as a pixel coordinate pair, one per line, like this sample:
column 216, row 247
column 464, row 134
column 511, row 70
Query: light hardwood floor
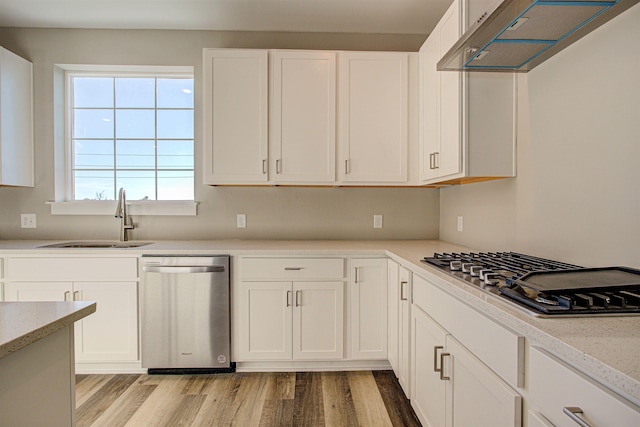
column 305, row 399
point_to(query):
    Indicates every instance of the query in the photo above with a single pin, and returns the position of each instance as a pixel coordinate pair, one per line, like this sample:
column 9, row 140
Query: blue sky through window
column 132, row 132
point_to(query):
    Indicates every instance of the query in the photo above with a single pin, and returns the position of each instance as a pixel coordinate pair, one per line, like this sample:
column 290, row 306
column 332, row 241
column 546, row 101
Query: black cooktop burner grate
column 546, row 286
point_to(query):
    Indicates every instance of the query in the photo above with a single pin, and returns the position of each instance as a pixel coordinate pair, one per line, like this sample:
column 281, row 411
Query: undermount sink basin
column 96, row 244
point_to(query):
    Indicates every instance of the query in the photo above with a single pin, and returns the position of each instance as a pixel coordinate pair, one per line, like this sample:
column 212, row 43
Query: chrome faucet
column 121, row 212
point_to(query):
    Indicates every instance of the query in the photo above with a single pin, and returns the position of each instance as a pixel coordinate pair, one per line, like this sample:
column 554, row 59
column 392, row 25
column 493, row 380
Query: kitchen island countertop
column 23, row 323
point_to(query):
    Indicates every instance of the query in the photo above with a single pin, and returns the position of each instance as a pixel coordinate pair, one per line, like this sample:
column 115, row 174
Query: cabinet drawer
column 291, row 268
column 499, row 348
column 554, row 385
column 72, row 269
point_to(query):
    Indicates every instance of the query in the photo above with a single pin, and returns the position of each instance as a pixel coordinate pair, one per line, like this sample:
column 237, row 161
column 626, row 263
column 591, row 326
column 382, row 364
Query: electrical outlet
column 241, row 221
column 460, row 223
column 377, row 221
column 28, row 220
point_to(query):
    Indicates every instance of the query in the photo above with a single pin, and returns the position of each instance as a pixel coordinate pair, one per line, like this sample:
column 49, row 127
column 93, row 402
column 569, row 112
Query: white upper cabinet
column 303, row 116
column 373, row 117
column 235, row 116
column 16, row 120
column 467, row 121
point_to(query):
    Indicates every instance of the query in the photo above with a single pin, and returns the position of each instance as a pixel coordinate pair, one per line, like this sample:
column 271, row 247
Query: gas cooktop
column 545, row 287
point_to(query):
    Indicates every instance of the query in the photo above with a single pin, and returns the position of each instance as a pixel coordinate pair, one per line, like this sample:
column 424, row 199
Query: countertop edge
column 80, row 310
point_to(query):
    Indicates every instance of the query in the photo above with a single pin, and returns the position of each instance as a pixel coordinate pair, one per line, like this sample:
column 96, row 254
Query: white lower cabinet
column 566, row 397
column 476, row 395
column 291, row 320
column 393, row 315
column 450, row 385
column 404, row 336
column 399, row 323
column 428, row 390
column 368, row 309
column 289, row 309
column 110, row 335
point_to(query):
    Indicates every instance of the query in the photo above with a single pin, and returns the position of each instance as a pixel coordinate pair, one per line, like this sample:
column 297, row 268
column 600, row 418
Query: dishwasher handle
column 183, row 268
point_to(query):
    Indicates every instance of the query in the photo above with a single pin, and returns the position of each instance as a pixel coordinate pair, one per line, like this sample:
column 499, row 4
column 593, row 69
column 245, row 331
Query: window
column 131, row 130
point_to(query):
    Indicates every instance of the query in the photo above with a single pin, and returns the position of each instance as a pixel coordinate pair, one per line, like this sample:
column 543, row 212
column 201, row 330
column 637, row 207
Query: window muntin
column 131, row 131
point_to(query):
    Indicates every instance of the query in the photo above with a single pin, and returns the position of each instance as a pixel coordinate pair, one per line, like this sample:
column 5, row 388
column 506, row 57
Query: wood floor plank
column 121, row 411
column 88, row 386
column 161, row 403
column 247, row 405
column 368, row 403
column 338, row 403
column 220, row 395
column 197, row 384
column 186, row 411
column 89, row 411
column 283, row 386
column 398, row 406
column 308, row 405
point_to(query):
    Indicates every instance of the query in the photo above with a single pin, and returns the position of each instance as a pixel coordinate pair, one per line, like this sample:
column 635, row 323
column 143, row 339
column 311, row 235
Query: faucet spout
column 121, row 212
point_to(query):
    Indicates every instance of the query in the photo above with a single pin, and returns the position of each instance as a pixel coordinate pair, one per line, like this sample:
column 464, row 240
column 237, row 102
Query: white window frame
column 63, row 203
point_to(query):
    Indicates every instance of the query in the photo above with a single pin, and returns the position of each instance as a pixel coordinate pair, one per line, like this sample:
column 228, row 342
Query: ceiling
column 336, row 16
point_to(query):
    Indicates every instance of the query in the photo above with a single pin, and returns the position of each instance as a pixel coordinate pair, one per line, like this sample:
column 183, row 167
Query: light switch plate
column 28, row 220
column 460, row 223
column 377, row 221
column 241, row 221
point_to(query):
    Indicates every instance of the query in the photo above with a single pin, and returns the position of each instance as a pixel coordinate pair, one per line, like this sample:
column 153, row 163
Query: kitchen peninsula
column 37, row 371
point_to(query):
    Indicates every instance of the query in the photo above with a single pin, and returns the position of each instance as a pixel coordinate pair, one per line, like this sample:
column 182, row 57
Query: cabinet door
column 38, row 291
column 16, row 116
column 393, row 315
column 373, row 97
column 318, row 320
column 554, row 386
column 404, row 355
column 428, row 391
column 235, row 116
column 448, row 159
column 303, row 110
column 368, row 295
column 429, row 126
column 475, row 395
column 265, row 321
column 111, row 333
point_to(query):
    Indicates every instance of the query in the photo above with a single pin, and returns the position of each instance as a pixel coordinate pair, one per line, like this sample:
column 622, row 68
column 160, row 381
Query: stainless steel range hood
column 517, row 35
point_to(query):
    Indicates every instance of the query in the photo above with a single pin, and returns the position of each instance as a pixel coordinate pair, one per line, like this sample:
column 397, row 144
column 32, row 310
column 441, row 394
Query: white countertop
column 23, row 323
column 605, row 348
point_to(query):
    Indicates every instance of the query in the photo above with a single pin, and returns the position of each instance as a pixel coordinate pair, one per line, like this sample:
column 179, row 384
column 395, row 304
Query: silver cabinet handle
column 357, row 268
column 576, row 414
column 346, row 167
column 264, row 166
column 76, row 296
column 435, row 358
column 298, row 304
column 279, row 166
column 442, row 376
column 183, row 269
column 293, row 268
column 288, row 299
column 67, row 294
column 436, row 160
column 403, row 297
column 431, row 161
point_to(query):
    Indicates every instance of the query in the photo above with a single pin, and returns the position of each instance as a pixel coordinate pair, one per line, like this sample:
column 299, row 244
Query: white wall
column 577, row 194
column 274, row 213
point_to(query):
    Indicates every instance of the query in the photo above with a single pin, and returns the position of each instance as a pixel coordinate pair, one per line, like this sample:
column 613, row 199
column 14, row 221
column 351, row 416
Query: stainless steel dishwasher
column 185, row 314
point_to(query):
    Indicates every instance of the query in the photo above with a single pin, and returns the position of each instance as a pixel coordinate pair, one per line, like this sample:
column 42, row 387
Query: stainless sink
column 96, row 244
